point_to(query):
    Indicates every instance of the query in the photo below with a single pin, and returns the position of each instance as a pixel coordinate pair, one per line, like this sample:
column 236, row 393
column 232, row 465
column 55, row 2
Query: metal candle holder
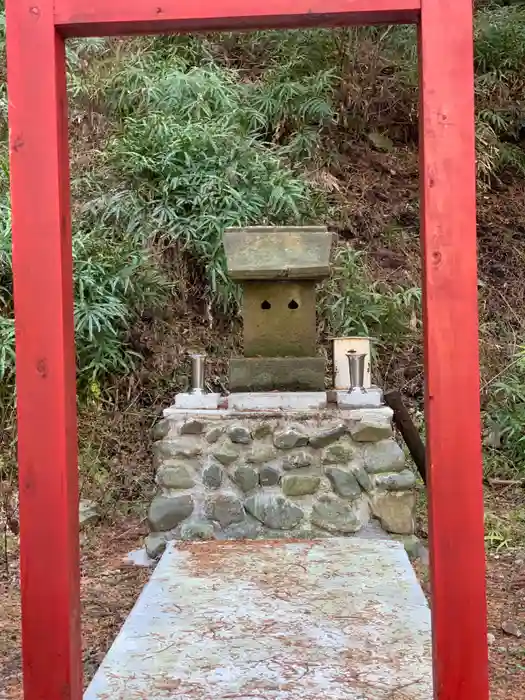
column 198, row 366
column 356, row 366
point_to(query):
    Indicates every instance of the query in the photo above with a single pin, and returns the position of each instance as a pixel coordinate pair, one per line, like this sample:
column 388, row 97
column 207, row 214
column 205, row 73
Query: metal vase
column 356, row 366
column 198, row 366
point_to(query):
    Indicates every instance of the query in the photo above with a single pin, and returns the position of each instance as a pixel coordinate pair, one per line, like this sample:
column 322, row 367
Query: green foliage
column 372, row 77
column 115, row 280
column 500, row 41
column 355, row 305
column 500, row 84
column 197, row 152
column 194, row 150
column 114, row 284
column 505, row 415
column 6, row 290
column 3, row 84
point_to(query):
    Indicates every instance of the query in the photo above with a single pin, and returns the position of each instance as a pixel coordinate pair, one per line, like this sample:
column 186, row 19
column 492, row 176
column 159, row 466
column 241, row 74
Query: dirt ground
column 110, row 588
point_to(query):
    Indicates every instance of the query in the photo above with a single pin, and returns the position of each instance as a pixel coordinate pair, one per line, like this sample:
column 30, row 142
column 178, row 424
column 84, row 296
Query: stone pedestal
column 229, row 474
column 254, row 374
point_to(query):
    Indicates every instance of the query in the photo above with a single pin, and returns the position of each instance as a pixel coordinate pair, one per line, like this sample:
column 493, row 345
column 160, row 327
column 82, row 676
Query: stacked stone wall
column 230, row 476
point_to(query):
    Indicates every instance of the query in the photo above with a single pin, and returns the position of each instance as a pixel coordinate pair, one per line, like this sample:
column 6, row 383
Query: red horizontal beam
column 105, row 17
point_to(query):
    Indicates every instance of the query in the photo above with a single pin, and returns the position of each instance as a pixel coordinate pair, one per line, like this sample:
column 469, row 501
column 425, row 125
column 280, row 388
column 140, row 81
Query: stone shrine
column 279, row 457
column 278, row 269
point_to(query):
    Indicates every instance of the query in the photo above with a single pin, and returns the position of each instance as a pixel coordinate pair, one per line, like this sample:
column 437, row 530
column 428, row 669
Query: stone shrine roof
column 270, row 252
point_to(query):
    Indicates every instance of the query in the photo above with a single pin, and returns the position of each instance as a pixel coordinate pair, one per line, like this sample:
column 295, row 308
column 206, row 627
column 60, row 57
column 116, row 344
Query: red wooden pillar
column 45, row 360
column 44, row 321
column 448, row 199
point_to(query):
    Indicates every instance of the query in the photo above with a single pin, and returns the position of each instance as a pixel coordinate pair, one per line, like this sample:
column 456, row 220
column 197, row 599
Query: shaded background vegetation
column 175, row 138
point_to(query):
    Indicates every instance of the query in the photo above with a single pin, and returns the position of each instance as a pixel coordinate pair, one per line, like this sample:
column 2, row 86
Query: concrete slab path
column 340, row 619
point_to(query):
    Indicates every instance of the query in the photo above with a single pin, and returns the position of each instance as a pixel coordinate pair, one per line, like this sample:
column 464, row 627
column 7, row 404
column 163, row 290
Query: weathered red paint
column 44, row 311
column 45, row 357
column 100, row 17
column 448, row 218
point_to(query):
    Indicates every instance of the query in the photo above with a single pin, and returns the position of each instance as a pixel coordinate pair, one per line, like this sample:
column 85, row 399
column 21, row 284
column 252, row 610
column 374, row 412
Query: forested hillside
column 175, row 138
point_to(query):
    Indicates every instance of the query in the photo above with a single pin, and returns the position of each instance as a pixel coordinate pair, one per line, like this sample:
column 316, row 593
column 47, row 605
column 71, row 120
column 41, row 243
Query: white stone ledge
column 372, row 398
column 277, row 400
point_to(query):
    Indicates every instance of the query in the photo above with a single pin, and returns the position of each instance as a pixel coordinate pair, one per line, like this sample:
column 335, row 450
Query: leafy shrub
column 6, row 287
column 500, row 83
column 505, row 416
column 114, row 282
column 500, row 41
column 3, row 86
column 356, row 305
column 499, row 49
column 187, row 159
column 192, row 160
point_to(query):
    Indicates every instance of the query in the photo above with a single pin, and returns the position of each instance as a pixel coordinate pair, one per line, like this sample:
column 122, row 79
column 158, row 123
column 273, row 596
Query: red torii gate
column 47, row 442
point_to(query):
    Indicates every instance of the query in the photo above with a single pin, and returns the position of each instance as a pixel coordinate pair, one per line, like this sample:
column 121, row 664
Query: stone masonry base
column 248, row 475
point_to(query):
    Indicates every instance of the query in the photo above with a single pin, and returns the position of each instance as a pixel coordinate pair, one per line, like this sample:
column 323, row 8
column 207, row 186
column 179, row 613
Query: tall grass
column 354, row 304
column 197, row 150
column 114, row 281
